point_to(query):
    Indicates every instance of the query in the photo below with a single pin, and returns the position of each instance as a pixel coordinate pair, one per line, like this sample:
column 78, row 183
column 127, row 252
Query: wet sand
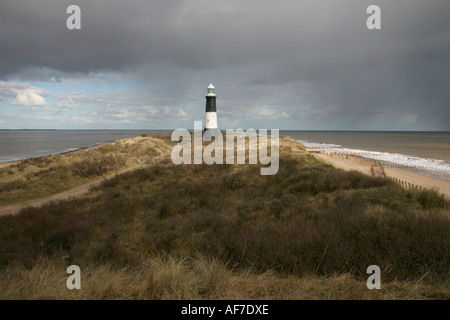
column 364, row 166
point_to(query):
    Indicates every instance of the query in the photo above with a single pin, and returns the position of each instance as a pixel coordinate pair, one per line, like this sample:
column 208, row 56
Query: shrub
column 12, row 185
column 430, row 199
column 88, row 168
column 232, row 181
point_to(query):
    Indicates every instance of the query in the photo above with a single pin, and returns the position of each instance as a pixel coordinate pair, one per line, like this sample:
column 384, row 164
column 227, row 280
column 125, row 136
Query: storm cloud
column 294, row 64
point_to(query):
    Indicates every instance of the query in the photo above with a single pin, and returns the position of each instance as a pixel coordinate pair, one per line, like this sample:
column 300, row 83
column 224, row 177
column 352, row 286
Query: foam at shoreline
column 431, row 167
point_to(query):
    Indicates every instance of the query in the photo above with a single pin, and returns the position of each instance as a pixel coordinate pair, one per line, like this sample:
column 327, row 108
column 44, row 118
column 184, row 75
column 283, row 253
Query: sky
column 288, row 64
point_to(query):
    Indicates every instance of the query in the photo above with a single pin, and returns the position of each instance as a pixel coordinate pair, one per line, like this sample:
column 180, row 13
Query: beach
column 400, row 175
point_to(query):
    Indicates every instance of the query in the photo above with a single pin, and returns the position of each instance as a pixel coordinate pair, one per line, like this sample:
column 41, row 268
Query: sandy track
column 353, row 163
column 75, row 192
column 7, row 164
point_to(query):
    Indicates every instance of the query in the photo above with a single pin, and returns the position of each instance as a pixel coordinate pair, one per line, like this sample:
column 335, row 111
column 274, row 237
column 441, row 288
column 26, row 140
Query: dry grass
column 168, row 277
column 226, row 232
column 48, row 175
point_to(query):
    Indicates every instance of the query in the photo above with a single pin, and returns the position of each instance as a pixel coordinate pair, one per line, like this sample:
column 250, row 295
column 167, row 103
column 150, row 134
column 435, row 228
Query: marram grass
column 160, row 231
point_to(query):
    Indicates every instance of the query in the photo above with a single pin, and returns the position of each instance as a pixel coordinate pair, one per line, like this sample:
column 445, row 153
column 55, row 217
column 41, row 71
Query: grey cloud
column 319, row 52
column 313, row 38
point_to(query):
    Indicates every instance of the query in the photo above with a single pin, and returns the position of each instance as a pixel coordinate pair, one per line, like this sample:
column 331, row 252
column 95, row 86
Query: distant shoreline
column 284, row 130
column 149, row 130
column 10, row 162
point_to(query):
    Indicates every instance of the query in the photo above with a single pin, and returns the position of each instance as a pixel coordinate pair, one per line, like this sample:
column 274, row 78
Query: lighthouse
column 211, row 114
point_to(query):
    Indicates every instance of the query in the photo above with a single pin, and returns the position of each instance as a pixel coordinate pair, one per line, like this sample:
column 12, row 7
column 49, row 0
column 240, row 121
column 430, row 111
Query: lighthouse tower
column 211, row 114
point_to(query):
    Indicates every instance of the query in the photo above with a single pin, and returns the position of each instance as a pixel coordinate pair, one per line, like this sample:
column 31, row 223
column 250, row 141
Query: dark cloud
column 320, row 50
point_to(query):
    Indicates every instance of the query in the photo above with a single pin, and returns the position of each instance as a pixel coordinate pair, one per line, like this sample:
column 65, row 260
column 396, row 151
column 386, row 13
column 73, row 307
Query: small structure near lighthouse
column 213, row 152
column 211, row 114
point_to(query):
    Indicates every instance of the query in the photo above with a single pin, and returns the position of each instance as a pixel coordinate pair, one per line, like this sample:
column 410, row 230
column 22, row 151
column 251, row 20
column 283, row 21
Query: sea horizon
column 285, row 130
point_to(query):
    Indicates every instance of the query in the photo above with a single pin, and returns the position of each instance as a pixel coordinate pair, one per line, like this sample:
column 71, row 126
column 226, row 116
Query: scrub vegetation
column 160, row 231
column 40, row 177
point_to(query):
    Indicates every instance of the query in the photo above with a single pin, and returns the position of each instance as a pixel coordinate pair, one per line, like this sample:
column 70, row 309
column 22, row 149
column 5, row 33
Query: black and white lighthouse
column 211, row 114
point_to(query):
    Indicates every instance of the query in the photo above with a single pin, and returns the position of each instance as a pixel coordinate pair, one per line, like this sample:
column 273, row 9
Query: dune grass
column 226, row 232
column 168, row 277
column 40, row 177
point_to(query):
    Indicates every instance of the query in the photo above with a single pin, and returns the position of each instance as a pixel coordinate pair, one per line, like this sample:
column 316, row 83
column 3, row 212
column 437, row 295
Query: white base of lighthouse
column 210, row 120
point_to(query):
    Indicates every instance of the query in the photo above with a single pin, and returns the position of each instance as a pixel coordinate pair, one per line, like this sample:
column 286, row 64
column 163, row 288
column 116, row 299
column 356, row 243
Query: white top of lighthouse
column 211, row 91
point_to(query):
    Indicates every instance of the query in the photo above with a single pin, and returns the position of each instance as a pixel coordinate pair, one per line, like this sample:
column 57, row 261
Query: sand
column 364, row 166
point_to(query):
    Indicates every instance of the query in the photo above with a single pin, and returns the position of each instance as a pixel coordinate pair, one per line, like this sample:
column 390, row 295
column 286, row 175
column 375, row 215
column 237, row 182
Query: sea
column 427, row 153
column 424, row 152
column 24, row 144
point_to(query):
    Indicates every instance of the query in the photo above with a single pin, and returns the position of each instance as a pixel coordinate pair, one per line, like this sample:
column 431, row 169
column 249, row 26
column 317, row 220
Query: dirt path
column 75, row 192
column 355, row 163
column 7, row 164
